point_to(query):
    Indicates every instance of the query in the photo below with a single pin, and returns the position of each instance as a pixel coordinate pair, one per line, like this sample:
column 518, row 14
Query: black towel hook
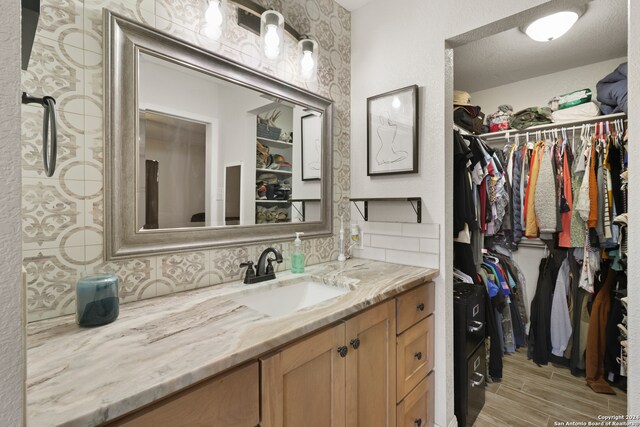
column 49, row 130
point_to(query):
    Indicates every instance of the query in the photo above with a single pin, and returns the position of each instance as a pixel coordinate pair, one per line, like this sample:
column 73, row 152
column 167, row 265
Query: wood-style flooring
column 530, row 395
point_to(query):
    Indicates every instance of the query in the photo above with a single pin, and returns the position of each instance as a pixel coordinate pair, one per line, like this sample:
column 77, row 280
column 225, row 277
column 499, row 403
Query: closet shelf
column 275, row 143
column 503, row 135
column 283, row 172
column 417, row 208
column 272, row 201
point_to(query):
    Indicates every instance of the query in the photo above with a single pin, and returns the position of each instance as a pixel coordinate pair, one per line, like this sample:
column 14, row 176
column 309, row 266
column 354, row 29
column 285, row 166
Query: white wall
column 537, row 91
column 181, row 155
column 12, row 354
column 408, row 47
column 238, row 143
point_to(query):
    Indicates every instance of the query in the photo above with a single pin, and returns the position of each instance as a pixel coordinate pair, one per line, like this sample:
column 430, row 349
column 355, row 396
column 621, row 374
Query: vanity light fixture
column 271, row 34
column 214, row 17
column 270, row 25
column 308, row 51
column 552, row 26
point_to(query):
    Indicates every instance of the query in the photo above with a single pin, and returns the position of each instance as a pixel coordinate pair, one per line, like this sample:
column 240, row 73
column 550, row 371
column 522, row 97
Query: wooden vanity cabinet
column 371, row 367
column 343, row 376
column 415, row 348
column 370, row 370
column 230, row 399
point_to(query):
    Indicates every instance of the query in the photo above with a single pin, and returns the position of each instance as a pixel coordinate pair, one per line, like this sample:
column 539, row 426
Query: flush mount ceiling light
column 552, row 26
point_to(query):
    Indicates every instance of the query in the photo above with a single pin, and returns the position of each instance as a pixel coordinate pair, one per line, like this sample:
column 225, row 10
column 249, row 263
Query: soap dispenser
column 297, row 256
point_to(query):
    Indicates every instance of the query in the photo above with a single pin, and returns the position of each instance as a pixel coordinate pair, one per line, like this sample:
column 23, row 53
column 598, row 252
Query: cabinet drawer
column 230, row 399
column 415, row 355
column 416, row 410
column 415, row 305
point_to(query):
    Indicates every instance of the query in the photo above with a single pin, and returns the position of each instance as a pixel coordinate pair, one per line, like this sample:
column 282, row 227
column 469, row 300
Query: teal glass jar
column 97, row 300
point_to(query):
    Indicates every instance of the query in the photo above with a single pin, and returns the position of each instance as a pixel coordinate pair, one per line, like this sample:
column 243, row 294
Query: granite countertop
column 84, row 377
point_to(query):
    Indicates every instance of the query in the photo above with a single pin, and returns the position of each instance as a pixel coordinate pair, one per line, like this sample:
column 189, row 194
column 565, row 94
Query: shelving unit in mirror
column 274, row 161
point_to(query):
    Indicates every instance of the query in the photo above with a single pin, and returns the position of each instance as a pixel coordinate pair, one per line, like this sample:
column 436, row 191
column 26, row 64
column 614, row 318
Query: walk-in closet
column 540, row 220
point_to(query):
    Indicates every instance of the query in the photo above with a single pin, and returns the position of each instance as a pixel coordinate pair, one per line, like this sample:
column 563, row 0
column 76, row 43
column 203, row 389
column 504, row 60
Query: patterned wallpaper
column 63, row 216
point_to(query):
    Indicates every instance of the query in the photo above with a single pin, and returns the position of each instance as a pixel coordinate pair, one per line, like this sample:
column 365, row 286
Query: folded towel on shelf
column 532, row 116
column 579, row 112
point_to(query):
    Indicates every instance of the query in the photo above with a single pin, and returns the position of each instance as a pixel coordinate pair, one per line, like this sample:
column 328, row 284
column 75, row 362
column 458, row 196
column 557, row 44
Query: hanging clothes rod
column 569, row 126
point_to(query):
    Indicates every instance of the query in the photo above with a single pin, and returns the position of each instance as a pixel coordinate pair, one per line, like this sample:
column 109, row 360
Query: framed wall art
column 392, row 132
column 311, row 149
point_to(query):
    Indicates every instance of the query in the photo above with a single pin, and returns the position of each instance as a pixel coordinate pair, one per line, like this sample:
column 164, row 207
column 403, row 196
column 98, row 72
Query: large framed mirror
column 204, row 152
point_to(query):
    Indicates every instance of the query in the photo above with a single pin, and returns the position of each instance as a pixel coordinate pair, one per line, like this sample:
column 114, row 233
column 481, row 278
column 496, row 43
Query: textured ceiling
column 511, row 56
column 352, row 4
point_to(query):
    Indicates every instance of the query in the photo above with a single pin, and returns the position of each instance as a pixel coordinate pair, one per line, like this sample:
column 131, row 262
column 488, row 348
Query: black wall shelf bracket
column 416, row 204
column 303, row 203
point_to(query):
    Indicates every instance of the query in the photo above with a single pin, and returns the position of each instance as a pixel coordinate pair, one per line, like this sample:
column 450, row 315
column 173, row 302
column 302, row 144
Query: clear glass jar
column 97, row 300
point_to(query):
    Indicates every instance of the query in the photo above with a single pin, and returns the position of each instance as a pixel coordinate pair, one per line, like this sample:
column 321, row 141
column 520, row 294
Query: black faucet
column 264, row 269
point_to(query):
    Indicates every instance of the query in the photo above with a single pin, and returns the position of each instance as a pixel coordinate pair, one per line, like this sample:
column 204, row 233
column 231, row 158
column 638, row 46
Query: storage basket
column 264, row 131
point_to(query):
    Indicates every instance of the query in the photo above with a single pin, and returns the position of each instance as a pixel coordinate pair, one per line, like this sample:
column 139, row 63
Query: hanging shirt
column 560, row 320
column 564, row 238
column 531, row 229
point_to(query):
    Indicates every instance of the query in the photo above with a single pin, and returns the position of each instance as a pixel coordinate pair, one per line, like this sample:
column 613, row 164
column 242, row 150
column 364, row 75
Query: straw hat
column 461, row 97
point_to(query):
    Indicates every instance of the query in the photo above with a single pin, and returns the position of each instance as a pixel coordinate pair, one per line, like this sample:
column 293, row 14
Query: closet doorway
column 551, row 276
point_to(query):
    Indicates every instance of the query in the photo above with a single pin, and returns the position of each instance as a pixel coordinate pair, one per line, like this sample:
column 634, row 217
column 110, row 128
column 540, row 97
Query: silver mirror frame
column 124, row 40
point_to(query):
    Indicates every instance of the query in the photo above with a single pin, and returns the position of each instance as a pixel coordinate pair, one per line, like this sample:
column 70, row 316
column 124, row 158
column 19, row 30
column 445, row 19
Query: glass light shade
column 551, row 27
column 308, row 57
column 214, row 17
column 271, row 34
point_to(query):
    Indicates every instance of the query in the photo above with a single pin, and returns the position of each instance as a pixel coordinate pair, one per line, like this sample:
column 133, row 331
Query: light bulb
column 272, row 42
column 213, row 15
column 307, row 64
column 396, row 104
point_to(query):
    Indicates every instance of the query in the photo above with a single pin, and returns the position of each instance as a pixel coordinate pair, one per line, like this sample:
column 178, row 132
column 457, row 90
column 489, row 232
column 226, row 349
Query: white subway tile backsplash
column 385, row 228
column 395, row 242
column 430, row 231
column 370, row 253
column 401, row 243
column 431, row 246
column 417, row 259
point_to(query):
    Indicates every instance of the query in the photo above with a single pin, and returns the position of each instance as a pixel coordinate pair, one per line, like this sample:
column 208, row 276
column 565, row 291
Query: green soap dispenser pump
column 297, row 256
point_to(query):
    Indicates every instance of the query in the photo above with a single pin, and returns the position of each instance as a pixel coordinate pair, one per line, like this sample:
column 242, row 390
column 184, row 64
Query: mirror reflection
column 212, row 153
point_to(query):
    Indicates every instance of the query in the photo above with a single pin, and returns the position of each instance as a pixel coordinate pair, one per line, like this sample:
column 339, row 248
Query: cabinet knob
column 418, row 355
column 343, row 350
column 418, row 422
column 421, row 307
column 355, row 343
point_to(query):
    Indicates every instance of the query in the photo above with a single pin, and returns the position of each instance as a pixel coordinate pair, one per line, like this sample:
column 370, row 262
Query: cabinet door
column 304, row 384
column 371, row 367
column 230, row 399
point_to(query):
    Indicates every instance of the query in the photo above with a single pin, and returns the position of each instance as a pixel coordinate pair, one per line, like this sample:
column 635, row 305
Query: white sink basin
column 289, row 298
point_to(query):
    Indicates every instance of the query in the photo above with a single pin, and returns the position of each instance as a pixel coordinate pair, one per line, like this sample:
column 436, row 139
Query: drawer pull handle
column 418, row 355
column 418, row 422
column 479, row 382
column 421, row 307
column 355, row 343
column 477, row 326
column 343, row 350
